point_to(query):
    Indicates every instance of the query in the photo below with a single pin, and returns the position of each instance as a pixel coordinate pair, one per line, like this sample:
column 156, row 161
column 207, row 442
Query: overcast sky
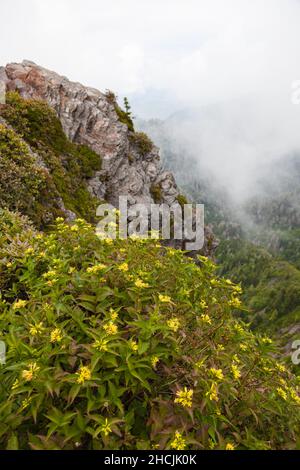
column 198, row 50
column 171, row 54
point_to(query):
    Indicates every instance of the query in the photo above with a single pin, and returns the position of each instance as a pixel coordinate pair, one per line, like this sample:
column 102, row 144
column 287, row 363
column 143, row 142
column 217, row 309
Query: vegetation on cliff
column 69, row 165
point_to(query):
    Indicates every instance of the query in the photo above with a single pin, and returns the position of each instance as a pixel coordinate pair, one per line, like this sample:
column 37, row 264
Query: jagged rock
column 89, row 117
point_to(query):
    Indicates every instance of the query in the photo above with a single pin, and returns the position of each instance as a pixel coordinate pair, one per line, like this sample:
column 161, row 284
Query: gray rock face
column 89, row 117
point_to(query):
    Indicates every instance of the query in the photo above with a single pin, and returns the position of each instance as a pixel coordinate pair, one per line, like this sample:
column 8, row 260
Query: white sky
column 186, row 52
column 200, row 50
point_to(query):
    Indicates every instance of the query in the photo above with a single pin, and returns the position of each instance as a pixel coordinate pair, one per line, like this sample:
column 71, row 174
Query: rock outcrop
column 90, row 117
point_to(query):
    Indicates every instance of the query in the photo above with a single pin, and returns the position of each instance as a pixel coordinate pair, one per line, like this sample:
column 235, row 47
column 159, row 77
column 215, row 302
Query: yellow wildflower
column 29, row 251
column 235, row 371
column 50, row 274
column 19, row 304
column 71, row 270
column 133, row 345
column 212, row 393
column 235, row 302
column 55, row 336
column 217, row 373
column 229, row 446
column 267, row 340
column 220, row 347
column 25, row 403
column 173, row 324
column 95, row 269
column 84, row 374
column 15, row 384
column 294, row 396
column 282, row 393
column 105, row 428
column 113, row 314
column 101, row 345
column 206, row 319
column 9, row 265
column 281, row 368
column 28, row 374
column 154, row 361
column 184, row 397
column 110, row 328
column 123, row 267
column 36, row 329
column 164, row 298
column 178, row 443
column 74, row 228
column 140, row 284
column 203, row 305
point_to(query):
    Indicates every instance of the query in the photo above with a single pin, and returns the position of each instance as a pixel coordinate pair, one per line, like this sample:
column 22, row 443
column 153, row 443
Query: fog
column 222, row 70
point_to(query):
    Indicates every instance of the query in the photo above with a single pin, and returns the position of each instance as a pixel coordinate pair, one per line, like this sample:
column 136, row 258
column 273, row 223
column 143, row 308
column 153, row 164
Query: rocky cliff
column 130, row 162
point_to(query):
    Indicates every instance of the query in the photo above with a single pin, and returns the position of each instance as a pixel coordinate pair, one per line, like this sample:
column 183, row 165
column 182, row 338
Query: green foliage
column 24, row 184
column 156, row 193
column 124, row 116
column 272, row 286
column 142, row 142
column 182, row 200
column 69, row 164
column 125, row 344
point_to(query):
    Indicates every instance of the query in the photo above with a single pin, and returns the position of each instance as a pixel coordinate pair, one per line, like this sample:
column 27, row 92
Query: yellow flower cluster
column 212, row 393
column 173, row 324
column 113, row 314
column 203, row 305
column 229, row 446
column 110, row 328
column 37, row 329
column 84, row 374
column 123, row 267
column 184, row 397
column 178, row 443
column 235, row 302
column 282, row 393
column 217, row 373
column 235, row 372
column 95, row 269
column 133, row 345
column 29, row 373
column 50, row 274
column 205, row 318
column 164, row 298
column 154, row 361
column 105, row 428
column 101, row 345
column 19, row 304
column 141, row 284
column 56, row 336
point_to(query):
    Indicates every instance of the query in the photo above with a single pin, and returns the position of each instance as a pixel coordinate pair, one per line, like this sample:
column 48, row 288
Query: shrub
column 182, row 200
column 156, row 193
column 142, row 142
column 69, row 164
column 126, row 345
